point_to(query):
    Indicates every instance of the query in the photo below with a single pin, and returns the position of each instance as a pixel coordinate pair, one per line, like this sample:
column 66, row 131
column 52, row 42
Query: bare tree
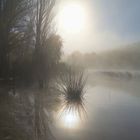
column 12, row 25
column 18, row 18
column 43, row 31
column 43, row 22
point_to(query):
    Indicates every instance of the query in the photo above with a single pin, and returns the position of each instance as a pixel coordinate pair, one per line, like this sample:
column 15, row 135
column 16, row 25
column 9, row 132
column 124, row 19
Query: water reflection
column 113, row 107
column 69, row 119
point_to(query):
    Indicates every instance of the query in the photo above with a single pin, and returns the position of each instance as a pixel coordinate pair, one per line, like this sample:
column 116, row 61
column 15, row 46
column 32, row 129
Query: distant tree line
column 85, row 60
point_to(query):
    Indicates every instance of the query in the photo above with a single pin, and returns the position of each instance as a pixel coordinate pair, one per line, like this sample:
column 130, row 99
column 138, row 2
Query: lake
column 113, row 107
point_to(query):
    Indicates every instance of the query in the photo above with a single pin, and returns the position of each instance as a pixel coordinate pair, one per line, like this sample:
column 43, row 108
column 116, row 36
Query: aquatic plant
column 72, row 88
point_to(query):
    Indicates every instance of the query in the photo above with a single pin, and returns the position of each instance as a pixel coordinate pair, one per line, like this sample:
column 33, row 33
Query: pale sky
column 107, row 24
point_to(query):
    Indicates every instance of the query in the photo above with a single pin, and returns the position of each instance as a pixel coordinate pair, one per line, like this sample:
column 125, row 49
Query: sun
column 68, row 119
column 72, row 18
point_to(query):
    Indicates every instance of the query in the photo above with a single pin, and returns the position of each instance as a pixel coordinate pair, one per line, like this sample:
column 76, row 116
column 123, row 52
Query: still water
column 113, row 108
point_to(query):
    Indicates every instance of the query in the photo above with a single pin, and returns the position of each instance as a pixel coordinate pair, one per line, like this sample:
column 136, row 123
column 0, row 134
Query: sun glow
column 72, row 18
column 69, row 119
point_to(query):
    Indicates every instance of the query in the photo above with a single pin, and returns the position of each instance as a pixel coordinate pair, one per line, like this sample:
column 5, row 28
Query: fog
column 69, row 70
column 121, row 58
column 113, row 107
column 112, row 95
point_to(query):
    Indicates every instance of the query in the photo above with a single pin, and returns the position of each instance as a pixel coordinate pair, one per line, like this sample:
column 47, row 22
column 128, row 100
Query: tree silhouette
column 12, row 26
column 46, row 57
column 29, row 51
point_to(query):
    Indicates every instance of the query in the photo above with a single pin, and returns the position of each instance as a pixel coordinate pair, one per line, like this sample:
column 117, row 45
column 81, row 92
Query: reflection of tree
column 16, row 117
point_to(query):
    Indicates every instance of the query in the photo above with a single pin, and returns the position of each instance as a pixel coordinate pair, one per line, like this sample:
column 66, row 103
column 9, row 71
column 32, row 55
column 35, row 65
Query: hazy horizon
column 108, row 25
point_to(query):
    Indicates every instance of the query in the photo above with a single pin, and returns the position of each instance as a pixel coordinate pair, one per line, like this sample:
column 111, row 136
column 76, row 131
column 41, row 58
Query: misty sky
column 110, row 23
column 120, row 16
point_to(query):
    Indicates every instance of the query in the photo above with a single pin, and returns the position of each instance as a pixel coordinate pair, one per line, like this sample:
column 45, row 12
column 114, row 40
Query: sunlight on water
column 69, row 119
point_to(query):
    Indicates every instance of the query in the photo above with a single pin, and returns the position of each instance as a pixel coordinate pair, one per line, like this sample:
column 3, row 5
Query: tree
column 46, row 57
column 13, row 20
column 26, row 36
column 43, row 19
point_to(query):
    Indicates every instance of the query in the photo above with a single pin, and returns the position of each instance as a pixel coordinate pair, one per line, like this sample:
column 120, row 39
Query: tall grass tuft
column 72, row 89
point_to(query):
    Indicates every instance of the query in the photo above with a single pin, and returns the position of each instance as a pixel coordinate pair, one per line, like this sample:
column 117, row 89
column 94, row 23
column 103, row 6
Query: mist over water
column 48, row 48
column 113, row 107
